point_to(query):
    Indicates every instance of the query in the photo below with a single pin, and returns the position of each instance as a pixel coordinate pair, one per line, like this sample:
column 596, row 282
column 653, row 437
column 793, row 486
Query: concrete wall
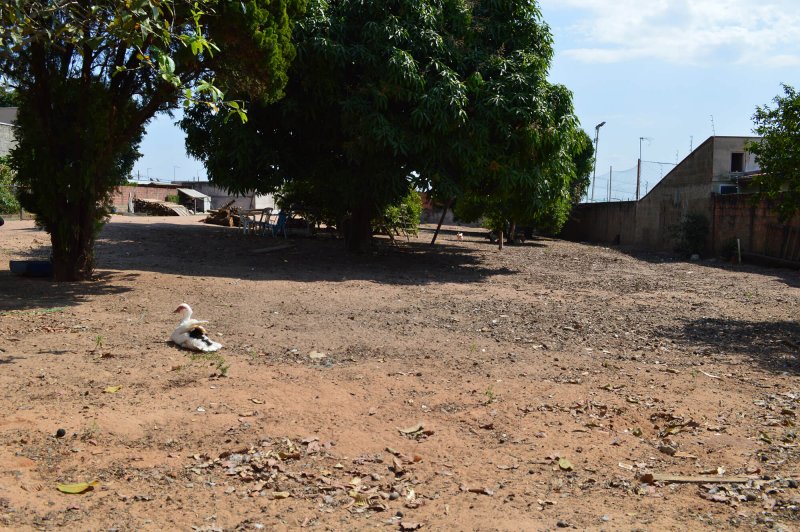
column 7, row 139
column 687, row 189
column 684, row 190
column 604, row 223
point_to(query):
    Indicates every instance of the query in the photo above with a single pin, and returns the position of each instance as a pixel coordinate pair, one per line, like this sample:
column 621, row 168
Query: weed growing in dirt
column 490, row 396
column 90, row 432
column 218, row 361
column 98, row 342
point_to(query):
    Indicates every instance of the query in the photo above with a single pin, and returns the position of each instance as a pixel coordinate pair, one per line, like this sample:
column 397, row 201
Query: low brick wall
column 756, row 225
column 731, row 216
column 120, row 197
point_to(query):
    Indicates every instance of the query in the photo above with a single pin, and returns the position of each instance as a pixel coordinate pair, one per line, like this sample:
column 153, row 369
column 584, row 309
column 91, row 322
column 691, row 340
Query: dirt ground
column 550, row 385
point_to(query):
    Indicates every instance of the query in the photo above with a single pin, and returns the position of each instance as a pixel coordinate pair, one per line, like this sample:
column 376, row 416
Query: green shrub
column 8, row 201
column 691, row 233
column 172, row 198
column 403, row 217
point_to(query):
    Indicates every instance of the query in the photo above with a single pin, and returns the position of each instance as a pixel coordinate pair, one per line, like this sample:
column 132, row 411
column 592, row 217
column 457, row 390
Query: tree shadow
column 37, row 294
column 216, row 251
column 774, row 345
column 9, row 359
column 789, row 277
column 480, row 236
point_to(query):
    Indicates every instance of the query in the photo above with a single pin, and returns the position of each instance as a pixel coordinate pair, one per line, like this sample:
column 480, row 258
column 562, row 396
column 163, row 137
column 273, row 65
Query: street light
column 594, row 170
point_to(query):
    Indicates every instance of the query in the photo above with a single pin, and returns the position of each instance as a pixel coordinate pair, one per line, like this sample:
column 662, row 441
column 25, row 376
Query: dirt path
column 454, row 388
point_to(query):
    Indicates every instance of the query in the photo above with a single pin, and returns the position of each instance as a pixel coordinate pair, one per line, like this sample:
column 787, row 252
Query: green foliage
column 172, row 198
column 369, row 77
column 778, row 152
column 8, row 200
column 532, row 160
column 89, row 76
column 402, row 217
column 449, row 95
column 8, row 98
column 691, row 233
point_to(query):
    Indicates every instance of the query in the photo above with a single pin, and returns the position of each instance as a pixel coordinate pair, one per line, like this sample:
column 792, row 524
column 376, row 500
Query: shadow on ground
column 480, row 235
column 773, row 345
column 208, row 250
column 43, row 294
column 788, row 276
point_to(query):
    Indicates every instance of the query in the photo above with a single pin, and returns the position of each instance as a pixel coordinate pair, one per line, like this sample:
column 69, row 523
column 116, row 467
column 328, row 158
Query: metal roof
column 193, row 193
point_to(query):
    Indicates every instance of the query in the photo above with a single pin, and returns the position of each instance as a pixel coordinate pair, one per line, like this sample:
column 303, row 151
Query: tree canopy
column 778, row 151
column 89, row 76
column 369, row 80
column 447, row 95
column 530, row 153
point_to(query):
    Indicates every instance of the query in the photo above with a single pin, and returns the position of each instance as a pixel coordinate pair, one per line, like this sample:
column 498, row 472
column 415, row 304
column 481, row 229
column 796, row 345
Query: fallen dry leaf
column 76, row 488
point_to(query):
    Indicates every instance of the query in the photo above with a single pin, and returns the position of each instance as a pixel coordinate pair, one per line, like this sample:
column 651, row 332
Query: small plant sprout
column 490, row 395
column 215, row 359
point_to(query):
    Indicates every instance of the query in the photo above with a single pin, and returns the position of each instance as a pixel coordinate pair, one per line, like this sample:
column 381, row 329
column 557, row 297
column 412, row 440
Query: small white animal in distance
column 459, row 236
column 190, row 334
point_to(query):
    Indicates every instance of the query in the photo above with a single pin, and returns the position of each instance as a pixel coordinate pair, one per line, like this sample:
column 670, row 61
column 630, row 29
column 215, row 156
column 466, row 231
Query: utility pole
column 596, row 138
column 610, row 172
column 639, row 168
column 639, row 165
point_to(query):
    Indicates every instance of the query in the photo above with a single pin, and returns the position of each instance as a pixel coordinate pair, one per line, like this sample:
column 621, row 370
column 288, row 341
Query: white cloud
column 765, row 32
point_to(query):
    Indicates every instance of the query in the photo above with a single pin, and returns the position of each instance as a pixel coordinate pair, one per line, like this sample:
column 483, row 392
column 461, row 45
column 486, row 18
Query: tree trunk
column 512, row 233
column 73, row 247
column 358, row 229
column 441, row 220
column 500, row 238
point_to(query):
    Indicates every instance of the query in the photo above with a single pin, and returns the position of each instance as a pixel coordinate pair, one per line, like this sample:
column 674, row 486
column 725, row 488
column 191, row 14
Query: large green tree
column 530, row 152
column 89, row 76
column 449, row 95
column 778, row 151
column 371, row 90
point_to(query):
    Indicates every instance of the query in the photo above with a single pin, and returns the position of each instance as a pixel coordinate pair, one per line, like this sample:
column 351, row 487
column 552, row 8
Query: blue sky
column 659, row 69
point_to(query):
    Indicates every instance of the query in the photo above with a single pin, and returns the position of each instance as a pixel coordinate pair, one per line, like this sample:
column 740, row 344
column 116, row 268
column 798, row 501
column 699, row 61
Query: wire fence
column 620, row 185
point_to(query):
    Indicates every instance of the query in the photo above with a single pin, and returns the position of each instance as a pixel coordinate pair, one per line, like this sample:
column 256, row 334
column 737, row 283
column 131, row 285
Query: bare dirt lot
column 549, row 385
